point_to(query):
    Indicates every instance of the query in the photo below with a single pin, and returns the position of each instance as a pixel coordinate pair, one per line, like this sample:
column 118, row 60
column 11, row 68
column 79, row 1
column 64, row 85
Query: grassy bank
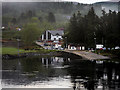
column 111, row 53
column 14, row 51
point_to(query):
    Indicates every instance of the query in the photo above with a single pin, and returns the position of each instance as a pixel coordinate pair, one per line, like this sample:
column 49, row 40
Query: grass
column 13, row 51
column 108, row 52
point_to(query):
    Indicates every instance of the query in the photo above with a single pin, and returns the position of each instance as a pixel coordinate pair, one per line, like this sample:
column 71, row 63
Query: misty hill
column 114, row 6
column 67, row 8
column 62, row 10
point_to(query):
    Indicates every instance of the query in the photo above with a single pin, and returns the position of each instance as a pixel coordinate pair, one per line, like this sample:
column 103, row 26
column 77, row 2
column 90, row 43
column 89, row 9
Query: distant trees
column 85, row 29
column 83, row 26
column 29, row 14
column 30, row 33
column 91, row 22
column 111, row 30
column 76, row 32
column 14, row 20
column 51, row 17
column 40, row 19
column 6, row 20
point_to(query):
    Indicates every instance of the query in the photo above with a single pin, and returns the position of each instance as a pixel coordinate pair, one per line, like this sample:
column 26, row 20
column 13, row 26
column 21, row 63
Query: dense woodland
column 91, row 29
column 83, row 24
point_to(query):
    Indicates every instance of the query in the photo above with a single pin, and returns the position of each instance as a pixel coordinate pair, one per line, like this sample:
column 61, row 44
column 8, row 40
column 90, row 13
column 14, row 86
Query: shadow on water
column 95, row 74
column 86, row 74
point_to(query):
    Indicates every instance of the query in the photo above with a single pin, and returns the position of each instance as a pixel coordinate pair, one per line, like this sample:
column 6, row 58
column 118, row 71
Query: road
column 88, row 55
column 84, row 54
column 42, row 45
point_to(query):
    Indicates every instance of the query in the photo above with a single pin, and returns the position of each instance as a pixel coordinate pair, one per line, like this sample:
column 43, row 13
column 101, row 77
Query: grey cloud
column 115, row 0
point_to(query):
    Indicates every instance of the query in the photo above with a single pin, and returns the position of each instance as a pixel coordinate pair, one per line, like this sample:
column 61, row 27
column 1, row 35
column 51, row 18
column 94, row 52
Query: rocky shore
column 24, row 55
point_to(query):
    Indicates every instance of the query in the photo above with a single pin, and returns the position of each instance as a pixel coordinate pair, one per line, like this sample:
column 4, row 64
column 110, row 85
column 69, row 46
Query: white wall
column 83, row 48
column 42, row 36
column 52, row 37
column 74, row 48
column 57, row 37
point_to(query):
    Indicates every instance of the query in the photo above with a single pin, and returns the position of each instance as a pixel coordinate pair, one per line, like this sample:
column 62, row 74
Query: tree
column 29, row 14
column 92, row 23
column 72, row 29
column 40, row 19
column 5, row 20
column 35, row 20
column 110, row 27
column 14, row 21
column 22, row 16
column 51, row 17
column 76, row 31
column 81, row 29
column 30, row 33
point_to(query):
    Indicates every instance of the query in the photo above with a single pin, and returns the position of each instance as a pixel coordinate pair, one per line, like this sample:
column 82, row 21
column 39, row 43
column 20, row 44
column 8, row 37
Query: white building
column 53, row 37
column 76, row 47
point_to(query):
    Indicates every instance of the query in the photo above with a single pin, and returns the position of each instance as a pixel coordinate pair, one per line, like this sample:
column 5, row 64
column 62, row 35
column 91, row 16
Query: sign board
column 99, row 46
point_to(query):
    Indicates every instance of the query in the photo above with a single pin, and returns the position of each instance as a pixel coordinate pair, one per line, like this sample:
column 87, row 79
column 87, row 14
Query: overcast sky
column 87, row 1
column 80, row 1
column 91, row 1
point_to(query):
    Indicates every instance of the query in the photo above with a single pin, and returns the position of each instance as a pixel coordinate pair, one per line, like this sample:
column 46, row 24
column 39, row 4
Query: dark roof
column 56, row 32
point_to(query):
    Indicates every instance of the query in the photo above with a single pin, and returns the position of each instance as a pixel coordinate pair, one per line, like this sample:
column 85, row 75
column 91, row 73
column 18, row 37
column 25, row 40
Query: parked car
column 117, row 47
column 46, row 44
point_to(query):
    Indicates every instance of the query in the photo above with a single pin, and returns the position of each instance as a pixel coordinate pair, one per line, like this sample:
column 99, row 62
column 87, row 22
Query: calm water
column 61, row 72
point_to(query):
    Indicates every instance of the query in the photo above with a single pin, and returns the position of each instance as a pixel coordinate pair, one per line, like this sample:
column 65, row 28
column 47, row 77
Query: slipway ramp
column 88, row 55
column 42, row 45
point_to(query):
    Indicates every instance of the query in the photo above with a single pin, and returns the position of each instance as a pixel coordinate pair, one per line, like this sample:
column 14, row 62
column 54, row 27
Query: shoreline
column 30, row 54
column 24, row 55
column 52, row 53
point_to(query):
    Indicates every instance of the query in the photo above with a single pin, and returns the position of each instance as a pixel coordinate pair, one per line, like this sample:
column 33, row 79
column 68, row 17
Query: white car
column 117, row 47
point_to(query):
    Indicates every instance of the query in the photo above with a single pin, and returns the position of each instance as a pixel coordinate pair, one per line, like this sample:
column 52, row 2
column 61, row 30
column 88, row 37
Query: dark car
column 46, row 44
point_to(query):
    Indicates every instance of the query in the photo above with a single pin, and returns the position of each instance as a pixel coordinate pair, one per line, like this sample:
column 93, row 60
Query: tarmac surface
column 85, row 54
column 88, row 55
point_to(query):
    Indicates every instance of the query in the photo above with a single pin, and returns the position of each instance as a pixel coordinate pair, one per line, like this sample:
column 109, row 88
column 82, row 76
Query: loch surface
column 61, row 72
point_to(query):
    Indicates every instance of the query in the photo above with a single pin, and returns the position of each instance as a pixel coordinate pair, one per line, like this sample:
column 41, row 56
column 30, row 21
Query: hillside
column 114, row 6
column 62, row 10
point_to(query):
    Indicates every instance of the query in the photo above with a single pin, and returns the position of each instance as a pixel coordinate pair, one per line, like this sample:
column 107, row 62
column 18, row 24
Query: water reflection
column 61, row 72
column 28, row 70
column 95, row 74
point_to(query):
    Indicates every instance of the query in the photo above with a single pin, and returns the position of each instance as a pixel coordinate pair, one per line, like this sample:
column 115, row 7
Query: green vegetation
column 46, row 51
column 30, row 34
column 10, row 34
column 111, row 53
column 86, row 27
column 14, row 51
column 91, row 29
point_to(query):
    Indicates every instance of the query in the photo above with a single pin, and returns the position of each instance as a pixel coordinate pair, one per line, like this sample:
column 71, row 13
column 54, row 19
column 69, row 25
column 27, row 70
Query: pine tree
column 51, row 17
column 14, row 21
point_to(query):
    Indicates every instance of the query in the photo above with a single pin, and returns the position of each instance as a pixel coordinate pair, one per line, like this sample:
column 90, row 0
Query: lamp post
column 95, row 40
column 66, row 42
column 18, row 40
column 19, row 64
column 95, row 44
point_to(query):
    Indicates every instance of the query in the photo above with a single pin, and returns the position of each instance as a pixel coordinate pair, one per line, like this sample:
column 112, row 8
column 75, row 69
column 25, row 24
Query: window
column 59, row 39
column 49, row 35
